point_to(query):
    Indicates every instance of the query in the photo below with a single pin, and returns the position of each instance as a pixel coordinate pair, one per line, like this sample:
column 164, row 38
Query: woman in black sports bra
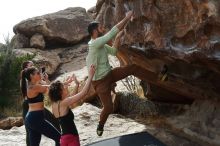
column 23, row 86
column 34, row 120
column 61, row 104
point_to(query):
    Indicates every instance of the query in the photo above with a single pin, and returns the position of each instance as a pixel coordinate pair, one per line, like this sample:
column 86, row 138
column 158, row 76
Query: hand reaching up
column 70, row 79
column 129, row 14
column 75, row 79
column 45, row 76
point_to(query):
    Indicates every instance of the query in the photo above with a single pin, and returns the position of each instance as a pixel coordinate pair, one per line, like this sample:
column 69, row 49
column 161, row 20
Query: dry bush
column 131, row 83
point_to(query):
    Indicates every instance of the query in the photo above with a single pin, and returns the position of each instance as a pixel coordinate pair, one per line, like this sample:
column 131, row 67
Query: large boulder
column 48, row 59
column 67, row 26
column 92, row 12
column 9, row 122
column 42, row 58
column 182, row 35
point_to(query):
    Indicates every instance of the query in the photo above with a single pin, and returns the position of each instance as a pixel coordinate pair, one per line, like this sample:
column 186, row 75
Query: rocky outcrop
column 68, row 26
column 183, row 35
column 57, row 61
column 11, row 122
column 92, row 12
column 48, row 59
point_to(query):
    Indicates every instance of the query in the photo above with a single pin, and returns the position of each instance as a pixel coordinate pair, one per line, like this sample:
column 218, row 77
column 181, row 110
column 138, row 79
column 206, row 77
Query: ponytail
column 23, row 84
column 26, row 76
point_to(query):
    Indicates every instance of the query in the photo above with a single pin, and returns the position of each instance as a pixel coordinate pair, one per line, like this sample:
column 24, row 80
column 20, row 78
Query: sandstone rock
column 183, row 35
column 20, row 41
column 92, row 12
column 68, row 26
column 47, row 58
column 199, row 123
column 11, row 122
column 60, row 60
column 37, row 41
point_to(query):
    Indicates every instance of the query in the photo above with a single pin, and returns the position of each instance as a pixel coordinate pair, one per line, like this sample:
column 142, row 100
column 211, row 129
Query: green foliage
column 10, row 67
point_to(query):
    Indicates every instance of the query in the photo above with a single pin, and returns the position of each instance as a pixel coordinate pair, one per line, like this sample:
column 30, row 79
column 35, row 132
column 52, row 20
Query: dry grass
column 131, row 83
column 13, row 109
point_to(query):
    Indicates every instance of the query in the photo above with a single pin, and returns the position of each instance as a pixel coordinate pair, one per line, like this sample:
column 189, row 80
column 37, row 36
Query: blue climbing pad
column 137, row 139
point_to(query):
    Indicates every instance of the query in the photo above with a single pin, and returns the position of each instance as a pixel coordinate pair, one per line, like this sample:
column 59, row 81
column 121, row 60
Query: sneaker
column 100, row 130
column 163, row 74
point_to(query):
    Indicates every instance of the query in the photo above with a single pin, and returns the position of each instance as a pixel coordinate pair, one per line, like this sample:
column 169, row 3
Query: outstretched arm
column 114, row 49
column 75, row 90
column 75, row 98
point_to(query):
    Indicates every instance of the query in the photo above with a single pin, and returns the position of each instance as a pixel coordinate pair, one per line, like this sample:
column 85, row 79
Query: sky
column 14, row 11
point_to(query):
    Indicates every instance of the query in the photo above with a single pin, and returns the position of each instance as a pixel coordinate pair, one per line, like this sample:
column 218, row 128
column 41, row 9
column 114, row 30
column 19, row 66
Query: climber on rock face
column 105, row 76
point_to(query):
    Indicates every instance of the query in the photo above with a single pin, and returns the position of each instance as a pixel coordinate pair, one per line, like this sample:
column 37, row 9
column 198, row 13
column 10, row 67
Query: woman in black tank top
column 61, row 103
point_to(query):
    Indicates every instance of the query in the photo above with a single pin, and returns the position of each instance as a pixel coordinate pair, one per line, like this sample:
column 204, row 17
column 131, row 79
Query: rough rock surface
column 64, row 27
column 200, row 123
column 20, row 41
column 92, row 12
column 37, row 41
column 11, row 122
column 48, row 59
column 184, row 35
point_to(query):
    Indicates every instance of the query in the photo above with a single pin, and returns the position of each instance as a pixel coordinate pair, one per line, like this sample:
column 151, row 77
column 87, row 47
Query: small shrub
column 131, row 83
column 10, row 67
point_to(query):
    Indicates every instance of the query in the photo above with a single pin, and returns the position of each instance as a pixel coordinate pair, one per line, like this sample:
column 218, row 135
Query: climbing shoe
column 100, row 130
column 163, row 74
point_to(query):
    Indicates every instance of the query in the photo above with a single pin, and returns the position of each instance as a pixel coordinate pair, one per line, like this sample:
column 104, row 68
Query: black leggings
column 37, row 125
column 47, row 115
column 25, row 107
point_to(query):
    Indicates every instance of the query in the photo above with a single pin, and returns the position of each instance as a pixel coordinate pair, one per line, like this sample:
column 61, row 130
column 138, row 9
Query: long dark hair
column 25, row 64
column 26, row 75
column 55, row 91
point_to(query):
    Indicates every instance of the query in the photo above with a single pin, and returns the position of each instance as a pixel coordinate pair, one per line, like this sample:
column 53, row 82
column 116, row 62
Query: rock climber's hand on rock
column 129, row 14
